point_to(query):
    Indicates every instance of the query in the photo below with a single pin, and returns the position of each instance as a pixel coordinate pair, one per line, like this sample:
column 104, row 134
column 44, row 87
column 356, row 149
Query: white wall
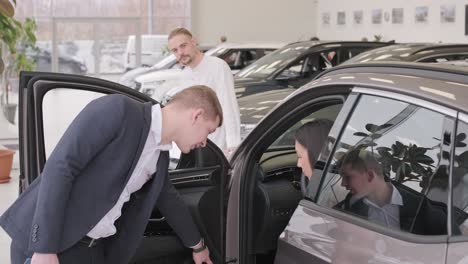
column 253, row 20
column 410, row 31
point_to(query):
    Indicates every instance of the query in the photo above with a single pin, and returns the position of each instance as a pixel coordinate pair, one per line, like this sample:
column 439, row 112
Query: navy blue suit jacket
column 84, row 177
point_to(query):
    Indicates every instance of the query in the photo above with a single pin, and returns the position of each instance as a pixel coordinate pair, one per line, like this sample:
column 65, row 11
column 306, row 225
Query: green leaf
column 372, row 128
column 360, row 134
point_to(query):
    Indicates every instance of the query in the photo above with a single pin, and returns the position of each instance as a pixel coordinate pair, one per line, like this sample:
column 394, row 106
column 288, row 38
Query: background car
column 415, row 52
column 169, row 62
column 450, row 54
column 236, row 56
column 416, row 109
column 296, row 64
column 252, row 210
column 152, row 50
column 66, row 63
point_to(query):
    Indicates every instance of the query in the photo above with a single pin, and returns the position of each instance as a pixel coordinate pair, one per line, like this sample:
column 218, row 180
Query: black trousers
column 79, row 253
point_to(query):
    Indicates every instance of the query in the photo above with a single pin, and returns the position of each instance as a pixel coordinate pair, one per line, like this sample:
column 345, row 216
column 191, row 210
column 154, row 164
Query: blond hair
column 179, row 31
column 200, row 96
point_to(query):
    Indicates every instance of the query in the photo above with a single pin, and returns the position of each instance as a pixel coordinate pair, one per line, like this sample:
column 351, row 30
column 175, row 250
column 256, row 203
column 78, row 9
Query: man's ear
column 197, row 114
column 194, row 41
column 370, row 175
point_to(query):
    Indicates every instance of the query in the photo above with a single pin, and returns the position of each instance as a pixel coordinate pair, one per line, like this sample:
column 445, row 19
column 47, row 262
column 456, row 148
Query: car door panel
column 199, row 178
column 333, row 237
column 456, row 253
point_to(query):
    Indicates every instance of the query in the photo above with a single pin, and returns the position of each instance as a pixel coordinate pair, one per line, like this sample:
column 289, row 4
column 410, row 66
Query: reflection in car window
column 460, row 180
column 383, row 149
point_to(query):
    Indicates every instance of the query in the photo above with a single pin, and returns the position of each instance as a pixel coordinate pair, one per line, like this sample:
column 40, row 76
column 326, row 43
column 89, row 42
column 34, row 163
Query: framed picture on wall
column 421, row 13
column 326, row 18
column 341, row 18
column 397, row 15
column 447, row 14
column 357, row 17
column 466, row 20
column 377, row 16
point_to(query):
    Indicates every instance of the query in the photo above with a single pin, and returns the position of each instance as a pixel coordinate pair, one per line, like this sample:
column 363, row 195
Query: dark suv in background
column 415, row 52
column 296, row 64
column 255, row 107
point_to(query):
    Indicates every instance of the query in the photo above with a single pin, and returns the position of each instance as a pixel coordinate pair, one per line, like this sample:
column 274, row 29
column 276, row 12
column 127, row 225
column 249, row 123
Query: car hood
column 162, row 75
column 239, row 82
column 254, row 107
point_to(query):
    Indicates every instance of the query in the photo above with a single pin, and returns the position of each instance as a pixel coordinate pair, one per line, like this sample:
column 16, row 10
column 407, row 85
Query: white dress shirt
column 389, row 214
column 145, row 167
column 216, row 74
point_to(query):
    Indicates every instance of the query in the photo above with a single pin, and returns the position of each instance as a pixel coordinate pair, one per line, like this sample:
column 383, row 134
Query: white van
column 152, row 50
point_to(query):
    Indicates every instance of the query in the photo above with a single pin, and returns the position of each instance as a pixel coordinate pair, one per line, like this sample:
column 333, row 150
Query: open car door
column 47, row 105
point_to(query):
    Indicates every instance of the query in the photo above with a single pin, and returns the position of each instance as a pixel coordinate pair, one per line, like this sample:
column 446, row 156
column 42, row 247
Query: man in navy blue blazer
column 74, row 212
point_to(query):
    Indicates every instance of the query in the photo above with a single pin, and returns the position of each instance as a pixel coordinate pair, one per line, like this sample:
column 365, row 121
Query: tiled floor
column 8, row 193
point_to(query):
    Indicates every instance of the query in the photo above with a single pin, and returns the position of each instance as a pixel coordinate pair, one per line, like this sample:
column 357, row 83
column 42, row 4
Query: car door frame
column 240, row 207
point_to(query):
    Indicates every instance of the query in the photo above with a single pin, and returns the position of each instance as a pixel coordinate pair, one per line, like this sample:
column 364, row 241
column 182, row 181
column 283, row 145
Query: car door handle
column 157, row 219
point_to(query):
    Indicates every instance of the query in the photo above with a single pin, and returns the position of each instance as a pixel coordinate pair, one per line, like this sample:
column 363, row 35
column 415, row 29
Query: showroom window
column 386, row 171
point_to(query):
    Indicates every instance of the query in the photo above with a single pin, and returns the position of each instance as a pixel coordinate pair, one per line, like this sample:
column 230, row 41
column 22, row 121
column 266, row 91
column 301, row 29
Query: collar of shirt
column 395, row 200
column 156, row 128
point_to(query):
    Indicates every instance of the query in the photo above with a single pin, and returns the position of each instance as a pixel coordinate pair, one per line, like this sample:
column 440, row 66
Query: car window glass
column 460, row 181
column 293, row 71
column 248, row 56
column 274, row 62
column 328, row 59
column 388, row 172
column 232, row 58
column 446, row 57
column 348, row 53
column 287, row 138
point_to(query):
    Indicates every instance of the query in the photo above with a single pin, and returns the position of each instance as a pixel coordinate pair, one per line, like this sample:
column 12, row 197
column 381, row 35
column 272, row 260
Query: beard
column 185, row 60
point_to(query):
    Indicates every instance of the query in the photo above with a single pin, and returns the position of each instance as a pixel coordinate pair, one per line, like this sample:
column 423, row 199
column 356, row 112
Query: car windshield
column 389, row 53
column 270, row 63
column 216, row 52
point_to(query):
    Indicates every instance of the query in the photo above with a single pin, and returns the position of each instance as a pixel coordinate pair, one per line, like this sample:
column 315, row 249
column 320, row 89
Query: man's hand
column 39, row 258
column 202, row 257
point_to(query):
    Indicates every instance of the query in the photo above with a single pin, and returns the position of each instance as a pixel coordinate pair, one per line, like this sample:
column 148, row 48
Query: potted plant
column 12, row 33
column 16, row 38
column 6, row 162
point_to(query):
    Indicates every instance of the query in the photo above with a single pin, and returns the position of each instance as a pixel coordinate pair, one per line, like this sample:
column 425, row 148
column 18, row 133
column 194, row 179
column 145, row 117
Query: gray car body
column 316, row 234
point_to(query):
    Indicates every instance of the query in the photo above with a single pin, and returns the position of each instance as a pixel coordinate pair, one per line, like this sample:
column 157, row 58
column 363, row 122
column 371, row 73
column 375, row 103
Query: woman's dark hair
column 313, row 136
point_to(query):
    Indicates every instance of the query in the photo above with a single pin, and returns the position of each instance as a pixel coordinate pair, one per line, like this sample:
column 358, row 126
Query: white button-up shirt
column 216, row 74
column 389, row 214
column 145, row 167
